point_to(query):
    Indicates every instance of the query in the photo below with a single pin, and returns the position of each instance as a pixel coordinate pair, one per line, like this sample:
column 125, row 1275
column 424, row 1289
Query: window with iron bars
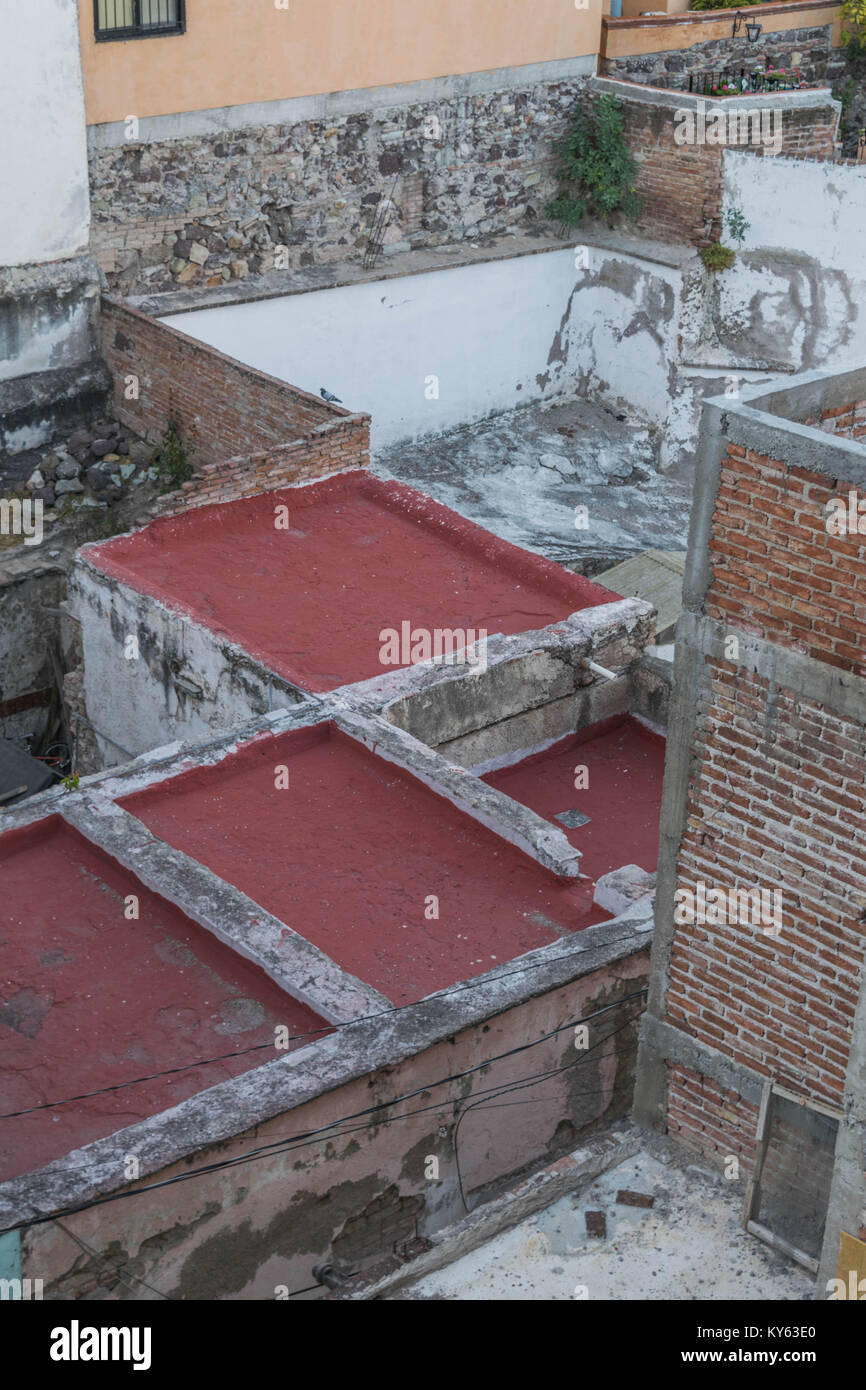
column 137, row 19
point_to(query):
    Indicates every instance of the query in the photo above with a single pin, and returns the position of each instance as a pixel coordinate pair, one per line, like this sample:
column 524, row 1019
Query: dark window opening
column 138, row 19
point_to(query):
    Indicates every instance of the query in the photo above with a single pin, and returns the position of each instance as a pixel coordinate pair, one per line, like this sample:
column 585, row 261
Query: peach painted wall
column 658, row 36
column 238, row 51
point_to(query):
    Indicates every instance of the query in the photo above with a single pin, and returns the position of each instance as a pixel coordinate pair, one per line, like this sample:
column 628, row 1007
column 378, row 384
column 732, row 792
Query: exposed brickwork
column 331, row 448
column 773, row 801
column 227, row 409
column 776, row 807
column 846, row 421
column 680, row 185
column 714, row 1122
column 777, row 572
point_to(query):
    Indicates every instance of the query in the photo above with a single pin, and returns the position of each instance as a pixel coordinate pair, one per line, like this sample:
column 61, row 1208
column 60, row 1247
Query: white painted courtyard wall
column 43, row 141
column 495, row 335
column 796, row 294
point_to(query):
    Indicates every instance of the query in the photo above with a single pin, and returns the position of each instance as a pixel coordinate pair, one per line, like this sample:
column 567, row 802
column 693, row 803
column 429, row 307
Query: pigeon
column 326, row 396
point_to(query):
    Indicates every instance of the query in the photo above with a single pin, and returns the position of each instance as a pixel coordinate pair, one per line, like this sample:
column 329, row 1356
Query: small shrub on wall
column 723, row 4
column 853, row 15
column 596, row 171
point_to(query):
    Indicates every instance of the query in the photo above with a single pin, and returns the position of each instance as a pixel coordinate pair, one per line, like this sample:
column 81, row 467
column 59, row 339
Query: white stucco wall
column 812, row 207
column 495, row 335
column 43, row 139
column 797, row 292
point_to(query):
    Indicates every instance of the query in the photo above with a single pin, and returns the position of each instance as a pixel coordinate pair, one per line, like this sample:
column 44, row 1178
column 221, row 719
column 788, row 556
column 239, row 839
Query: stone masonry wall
column 226, row 409
column 672, row 68
column 199, row 211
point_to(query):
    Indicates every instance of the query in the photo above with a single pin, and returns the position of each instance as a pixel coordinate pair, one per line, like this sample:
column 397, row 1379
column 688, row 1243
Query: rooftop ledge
column 673, row 97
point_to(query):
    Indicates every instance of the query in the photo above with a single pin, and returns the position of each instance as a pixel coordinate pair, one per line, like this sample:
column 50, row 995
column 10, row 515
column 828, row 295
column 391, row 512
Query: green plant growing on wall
column 595, row 168
column 737, row 225
column 723, row 4
column 844, row 92
column 717, row 257
column 173, row 458
column 70, row 783
column 853, row 15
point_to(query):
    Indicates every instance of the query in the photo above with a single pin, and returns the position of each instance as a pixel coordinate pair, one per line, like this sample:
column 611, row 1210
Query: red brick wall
column 847, row 421
column 226, row 408
column 774, row 801
column 714, row 1122
column 775, row 804
column 681, row 185
column 777, row 572
column 332, row 448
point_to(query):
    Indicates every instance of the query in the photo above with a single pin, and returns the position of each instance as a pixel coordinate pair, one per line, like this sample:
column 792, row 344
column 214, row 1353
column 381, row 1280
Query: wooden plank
column 852, row 1256
column 783, row 1246
column 655, row 575
column 762, row 1136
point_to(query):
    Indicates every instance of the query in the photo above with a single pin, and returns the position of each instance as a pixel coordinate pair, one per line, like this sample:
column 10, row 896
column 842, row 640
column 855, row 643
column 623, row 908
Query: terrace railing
column 729, row 81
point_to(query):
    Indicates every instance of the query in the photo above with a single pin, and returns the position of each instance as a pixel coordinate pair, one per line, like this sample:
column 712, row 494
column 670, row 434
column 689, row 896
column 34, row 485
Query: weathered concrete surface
column 795, row 295
column 513, row 822
column 523, row 474
column 137, row 703
column 295, row 964
column 287, row 1212
column 689, row 1245
column 31, row 588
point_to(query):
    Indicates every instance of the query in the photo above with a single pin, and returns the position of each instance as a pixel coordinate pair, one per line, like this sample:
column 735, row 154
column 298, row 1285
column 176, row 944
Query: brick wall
column 764, row 791
column 680, row 185
column 226, row 408
column 712, row 1120
column 332, row 448
column 846, row 421
column 776, row 803
column 787, row 579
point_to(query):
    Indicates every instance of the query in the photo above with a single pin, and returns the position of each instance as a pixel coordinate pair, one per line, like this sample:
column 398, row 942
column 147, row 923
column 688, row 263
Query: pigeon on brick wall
column 326, row 396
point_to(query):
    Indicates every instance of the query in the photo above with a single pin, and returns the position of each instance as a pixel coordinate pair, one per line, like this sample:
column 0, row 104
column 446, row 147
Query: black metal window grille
column 137, row 19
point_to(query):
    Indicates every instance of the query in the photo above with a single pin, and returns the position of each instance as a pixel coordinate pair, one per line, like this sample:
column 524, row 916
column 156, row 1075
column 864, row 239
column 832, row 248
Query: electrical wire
column 287, row 1143
column 297, row 1037
column 523, row 1085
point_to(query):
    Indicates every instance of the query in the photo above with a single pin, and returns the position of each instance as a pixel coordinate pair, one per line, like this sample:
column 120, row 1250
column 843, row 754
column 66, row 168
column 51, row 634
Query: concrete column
column 49, row 288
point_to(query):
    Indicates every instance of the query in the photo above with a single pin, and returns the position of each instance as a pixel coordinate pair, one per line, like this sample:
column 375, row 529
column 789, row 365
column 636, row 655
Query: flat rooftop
column 350, row 854
column 624, row 763
column 360, row 555
column 92, row 998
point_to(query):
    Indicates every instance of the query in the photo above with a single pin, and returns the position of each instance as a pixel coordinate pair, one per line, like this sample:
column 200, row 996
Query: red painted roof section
column 624, row 763
column 89, row 999
column 349, row 854
column 361, row 555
